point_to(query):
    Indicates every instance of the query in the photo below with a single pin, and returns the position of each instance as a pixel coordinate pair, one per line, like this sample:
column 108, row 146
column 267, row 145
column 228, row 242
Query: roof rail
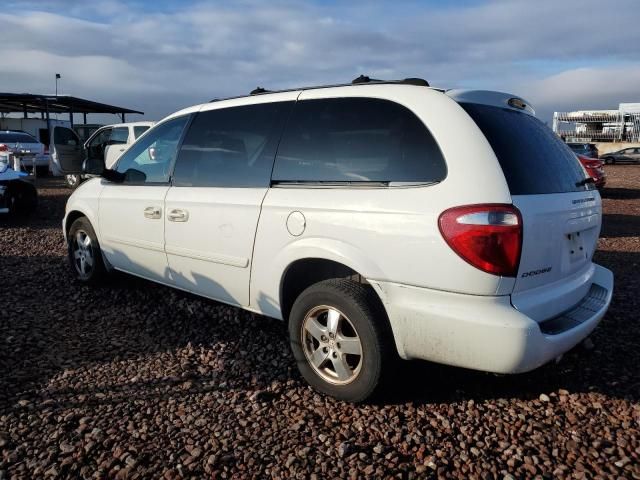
column 421, row 82
column 361, row 80
column 259, row 90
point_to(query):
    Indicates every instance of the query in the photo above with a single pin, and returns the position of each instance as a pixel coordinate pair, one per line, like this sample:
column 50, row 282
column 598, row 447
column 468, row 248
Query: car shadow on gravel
column 620, row 193
column 619, row 225
column 55, row 332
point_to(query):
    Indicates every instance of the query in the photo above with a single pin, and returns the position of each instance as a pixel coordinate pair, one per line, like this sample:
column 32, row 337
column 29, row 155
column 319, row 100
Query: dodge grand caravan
column 377, row 219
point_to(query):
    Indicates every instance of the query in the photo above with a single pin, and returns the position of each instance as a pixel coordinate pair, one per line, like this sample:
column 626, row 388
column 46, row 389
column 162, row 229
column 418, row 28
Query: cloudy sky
column 159, row 56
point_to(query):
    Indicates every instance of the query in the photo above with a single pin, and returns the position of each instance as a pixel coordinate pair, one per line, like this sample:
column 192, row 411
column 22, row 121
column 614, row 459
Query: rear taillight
column 3, row 148
column 489, row 237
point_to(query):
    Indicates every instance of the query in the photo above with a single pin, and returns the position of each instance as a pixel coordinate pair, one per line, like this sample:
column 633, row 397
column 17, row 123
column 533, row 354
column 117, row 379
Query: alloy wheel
column 331, row 345
column 83, row 253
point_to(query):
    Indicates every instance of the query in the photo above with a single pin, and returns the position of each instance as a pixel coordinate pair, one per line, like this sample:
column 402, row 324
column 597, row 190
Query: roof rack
column 421, row 82
column 361, row 80
column 259, row 90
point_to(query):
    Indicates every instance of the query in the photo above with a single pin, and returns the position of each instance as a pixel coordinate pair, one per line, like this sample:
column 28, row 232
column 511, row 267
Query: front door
column 221, row 176
column 131, row 211
column 67, row 152
column 96, row 144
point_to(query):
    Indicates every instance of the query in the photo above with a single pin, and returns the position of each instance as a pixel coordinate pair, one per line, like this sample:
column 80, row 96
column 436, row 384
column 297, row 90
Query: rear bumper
column 487, row 333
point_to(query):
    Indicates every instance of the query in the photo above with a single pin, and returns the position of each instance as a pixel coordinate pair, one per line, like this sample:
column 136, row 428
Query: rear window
column 16, row 137
column 350, row 140
column 533, row 158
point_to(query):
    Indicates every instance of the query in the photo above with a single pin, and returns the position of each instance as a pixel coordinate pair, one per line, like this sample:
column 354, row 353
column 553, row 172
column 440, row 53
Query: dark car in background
column 586, row 149
column 626, row 155
column 17, row 192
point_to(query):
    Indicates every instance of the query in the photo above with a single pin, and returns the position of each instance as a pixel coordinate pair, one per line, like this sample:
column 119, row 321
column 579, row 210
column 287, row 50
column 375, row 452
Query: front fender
column 85, row 200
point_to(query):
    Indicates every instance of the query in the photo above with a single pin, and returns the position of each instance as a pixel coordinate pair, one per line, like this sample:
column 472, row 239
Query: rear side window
column 357, row 140
column 533, row 158
column 231, row 147
column 16, row 137
column 139, row 130
column 119, row 136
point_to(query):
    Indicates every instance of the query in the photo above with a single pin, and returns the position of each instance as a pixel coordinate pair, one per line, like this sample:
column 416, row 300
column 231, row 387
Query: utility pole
column 58, row 76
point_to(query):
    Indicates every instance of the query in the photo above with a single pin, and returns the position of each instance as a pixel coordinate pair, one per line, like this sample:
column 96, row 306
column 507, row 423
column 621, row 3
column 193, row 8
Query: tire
column 85, row 257
column 11, row 201
column 22, row 198
column 609, row 161
column 357, row 321
column 73, row 181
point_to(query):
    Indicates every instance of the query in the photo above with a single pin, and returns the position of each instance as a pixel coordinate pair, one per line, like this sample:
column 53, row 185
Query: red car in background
column 595, row 169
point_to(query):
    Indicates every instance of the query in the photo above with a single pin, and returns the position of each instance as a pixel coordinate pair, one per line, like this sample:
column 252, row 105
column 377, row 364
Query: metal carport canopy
column 31, row 103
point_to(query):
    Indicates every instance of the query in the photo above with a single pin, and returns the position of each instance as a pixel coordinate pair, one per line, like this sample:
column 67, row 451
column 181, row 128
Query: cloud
column 597, row 88
column 159, row 57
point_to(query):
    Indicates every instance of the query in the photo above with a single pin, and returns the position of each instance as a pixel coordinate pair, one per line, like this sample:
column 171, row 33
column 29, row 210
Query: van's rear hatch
column 560, row 207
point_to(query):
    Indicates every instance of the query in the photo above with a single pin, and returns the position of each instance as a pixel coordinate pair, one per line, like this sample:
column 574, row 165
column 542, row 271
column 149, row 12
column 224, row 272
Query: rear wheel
column 337, row 338
column 84, row 251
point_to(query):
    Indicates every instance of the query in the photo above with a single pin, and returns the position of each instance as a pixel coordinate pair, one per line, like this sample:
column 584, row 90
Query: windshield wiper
column 585, row 181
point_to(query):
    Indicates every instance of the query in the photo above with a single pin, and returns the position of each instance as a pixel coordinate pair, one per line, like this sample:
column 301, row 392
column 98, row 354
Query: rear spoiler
column 495, row 99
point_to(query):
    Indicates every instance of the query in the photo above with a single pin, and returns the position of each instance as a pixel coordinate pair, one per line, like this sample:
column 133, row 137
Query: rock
column 544, row 397
column 66, row 447
column 343, row 449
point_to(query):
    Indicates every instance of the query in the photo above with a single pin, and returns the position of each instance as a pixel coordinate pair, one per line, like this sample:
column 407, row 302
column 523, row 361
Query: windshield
column 533, row 158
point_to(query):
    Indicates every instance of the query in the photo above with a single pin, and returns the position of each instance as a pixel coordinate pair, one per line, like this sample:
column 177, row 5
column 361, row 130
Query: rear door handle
column 152, row 212
column 177, row 215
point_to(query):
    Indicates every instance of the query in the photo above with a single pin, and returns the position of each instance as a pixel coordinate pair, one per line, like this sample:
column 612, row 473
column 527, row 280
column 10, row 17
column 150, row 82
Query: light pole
column 58, row 76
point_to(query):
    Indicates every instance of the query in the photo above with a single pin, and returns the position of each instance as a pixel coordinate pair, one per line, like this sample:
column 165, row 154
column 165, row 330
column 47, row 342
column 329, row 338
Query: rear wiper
column 585, row 181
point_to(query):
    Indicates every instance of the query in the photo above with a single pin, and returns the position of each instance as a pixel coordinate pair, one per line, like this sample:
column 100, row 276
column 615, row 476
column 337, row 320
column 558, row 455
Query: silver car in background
column 16, row 142
column 626, row 155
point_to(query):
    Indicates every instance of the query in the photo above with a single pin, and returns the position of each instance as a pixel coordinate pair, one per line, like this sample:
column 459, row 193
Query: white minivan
column 378, row 219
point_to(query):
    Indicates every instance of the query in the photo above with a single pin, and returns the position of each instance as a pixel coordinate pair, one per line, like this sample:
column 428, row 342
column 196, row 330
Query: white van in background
column 109, row 142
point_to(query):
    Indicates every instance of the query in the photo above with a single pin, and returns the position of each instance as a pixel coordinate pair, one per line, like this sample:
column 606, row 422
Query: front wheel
column 73, row 180
column 609, row 161
column 84, row 252
column 337, row 336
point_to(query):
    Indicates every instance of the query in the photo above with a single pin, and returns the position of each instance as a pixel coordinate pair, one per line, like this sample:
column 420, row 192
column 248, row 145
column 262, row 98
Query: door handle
column 178, row 215
column 152, row 212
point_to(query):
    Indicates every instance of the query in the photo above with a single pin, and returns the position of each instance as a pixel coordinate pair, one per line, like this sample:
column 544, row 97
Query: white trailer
column 35, row 127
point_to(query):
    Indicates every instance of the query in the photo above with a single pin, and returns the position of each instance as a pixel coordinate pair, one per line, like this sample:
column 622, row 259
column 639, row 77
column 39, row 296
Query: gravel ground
column 134, row 380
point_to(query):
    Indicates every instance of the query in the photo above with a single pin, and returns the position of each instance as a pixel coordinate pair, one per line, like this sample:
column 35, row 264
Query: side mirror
column 93, row 166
